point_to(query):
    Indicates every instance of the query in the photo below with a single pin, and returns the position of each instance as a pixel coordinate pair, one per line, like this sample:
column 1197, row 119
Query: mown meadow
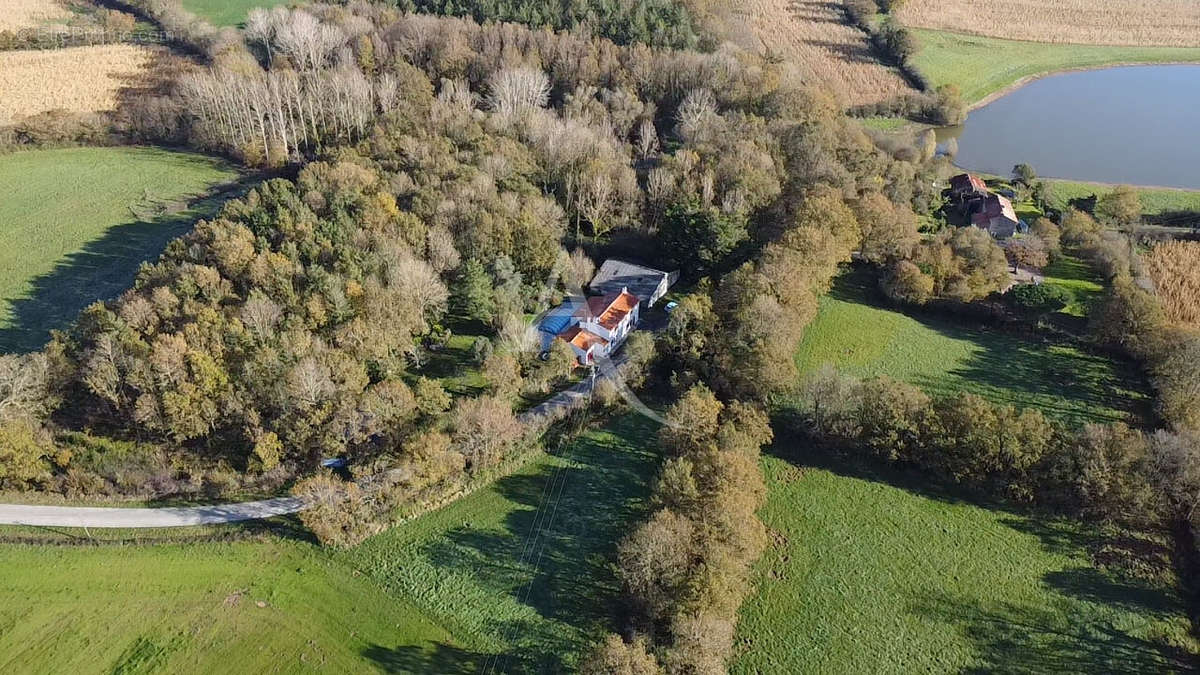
column 227, row 12
column 982, row 66
column 857, row 332
column 517, row 575
column 872, row 570
column 77, row 222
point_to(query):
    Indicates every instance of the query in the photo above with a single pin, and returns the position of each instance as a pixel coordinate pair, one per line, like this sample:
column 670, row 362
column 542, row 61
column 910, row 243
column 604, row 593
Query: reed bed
column 1175, row 268
column 1146, row 23
column 78, row 79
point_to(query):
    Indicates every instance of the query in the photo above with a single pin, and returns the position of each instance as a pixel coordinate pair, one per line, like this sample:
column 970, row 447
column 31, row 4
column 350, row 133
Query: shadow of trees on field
column 1012, row 638
column 553, row 555
column 1026, row 369
column 106, row 266
column 1085, row 623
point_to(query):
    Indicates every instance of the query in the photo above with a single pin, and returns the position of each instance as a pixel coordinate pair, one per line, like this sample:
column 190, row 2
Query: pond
column 1131, row 124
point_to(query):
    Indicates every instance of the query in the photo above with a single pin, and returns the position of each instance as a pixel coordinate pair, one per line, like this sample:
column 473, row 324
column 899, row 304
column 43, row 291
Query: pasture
column 77, row 79
column 858, row 333
column 522, row 603
column 446, row 592
column 195, row 608
column 873, row 571
column 227, row 12
column 984, row 66
column 815, row 39
column 77, row 222
column 1145, row 23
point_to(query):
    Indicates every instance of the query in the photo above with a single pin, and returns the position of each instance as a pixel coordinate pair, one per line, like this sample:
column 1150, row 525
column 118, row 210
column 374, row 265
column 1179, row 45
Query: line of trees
column 687, row 569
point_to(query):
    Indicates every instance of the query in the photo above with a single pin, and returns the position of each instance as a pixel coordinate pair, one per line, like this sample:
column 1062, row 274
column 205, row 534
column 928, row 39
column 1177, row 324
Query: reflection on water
column 1135, row 124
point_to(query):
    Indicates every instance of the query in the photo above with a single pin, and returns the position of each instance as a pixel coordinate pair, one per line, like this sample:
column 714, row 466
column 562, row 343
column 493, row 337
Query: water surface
column 1132, row 124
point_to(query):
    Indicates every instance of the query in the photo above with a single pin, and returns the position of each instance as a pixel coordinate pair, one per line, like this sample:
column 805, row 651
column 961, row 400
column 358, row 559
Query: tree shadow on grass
column 564, row 573
column 442, row 658
column 1054, row 636
column 1012, row 638
column 105, row 267
column 1026, row 369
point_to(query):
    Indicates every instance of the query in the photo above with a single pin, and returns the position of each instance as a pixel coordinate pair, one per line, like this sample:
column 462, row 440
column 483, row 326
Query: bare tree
column 516, row 90
column 23, row 384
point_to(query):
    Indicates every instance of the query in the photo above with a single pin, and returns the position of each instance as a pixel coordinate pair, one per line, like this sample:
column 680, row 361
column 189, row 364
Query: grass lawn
column 859, row 334
column 868, row 575
column 77, row 222
column 446, row 592
column 981, row 66
column 1079, row 281
column 229, row 12
column 522, row 605
column 1160, row 206
column 193, row 608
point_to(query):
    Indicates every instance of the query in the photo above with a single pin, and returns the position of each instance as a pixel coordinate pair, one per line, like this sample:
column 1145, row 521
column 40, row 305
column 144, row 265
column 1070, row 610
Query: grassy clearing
column 982, row 66
column 77, row 222
column 876, row 574
column 445, row 592
column 79, row 79
column 1079, row 280
column 468, row 565
column 1148, row 23
column 815, row 38
column 194, row 608
column 1163, row 206
column 856, row 332
column 228, row 12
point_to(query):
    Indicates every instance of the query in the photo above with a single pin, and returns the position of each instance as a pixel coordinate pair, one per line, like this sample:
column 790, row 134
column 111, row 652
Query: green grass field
column 982, row 66
column 229, row 12
column 194, row 608
column 1160, row 206
column 1079, row 280
column 449, row 591
column 867, row 575
column 77, row 222
column 856, row 332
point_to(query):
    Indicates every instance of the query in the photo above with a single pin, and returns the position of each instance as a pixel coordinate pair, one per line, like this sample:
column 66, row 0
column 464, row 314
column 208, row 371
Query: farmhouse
column 995, row 214
column 649, row 285
column 601, row 325
column 967, row 186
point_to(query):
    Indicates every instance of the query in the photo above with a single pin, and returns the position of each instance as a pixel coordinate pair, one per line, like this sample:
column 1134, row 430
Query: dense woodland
column 452, row 171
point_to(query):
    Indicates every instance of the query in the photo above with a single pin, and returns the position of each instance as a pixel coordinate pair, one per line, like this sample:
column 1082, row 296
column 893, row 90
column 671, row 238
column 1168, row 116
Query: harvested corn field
column 1147, row 23
column 825, row 50
column 79, row 79
column 17, row 14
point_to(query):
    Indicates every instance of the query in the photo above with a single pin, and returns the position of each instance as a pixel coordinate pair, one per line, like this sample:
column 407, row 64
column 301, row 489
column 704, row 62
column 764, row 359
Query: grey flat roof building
column 648, row 284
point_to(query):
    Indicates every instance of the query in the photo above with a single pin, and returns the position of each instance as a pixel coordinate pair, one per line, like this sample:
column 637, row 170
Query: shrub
column 1037, row 299
column 338, row 514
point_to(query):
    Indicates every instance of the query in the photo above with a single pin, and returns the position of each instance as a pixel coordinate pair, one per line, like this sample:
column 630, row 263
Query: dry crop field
column 825, row 50
column 1147, row 23
column 17, row 14
column 79, row 79
column 1175, row 268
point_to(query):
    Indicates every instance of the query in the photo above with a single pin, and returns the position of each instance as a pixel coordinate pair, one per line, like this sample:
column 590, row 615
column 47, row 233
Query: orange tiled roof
column 581, row 338
column 611, row 309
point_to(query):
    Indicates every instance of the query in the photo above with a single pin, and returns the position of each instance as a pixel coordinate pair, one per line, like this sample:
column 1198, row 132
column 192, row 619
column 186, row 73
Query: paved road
column 100, row 517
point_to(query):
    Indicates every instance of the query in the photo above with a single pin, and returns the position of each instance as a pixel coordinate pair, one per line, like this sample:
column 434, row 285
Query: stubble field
column 78, row 79
column 18, row 14
column 815, row 38
column 1145, row 23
